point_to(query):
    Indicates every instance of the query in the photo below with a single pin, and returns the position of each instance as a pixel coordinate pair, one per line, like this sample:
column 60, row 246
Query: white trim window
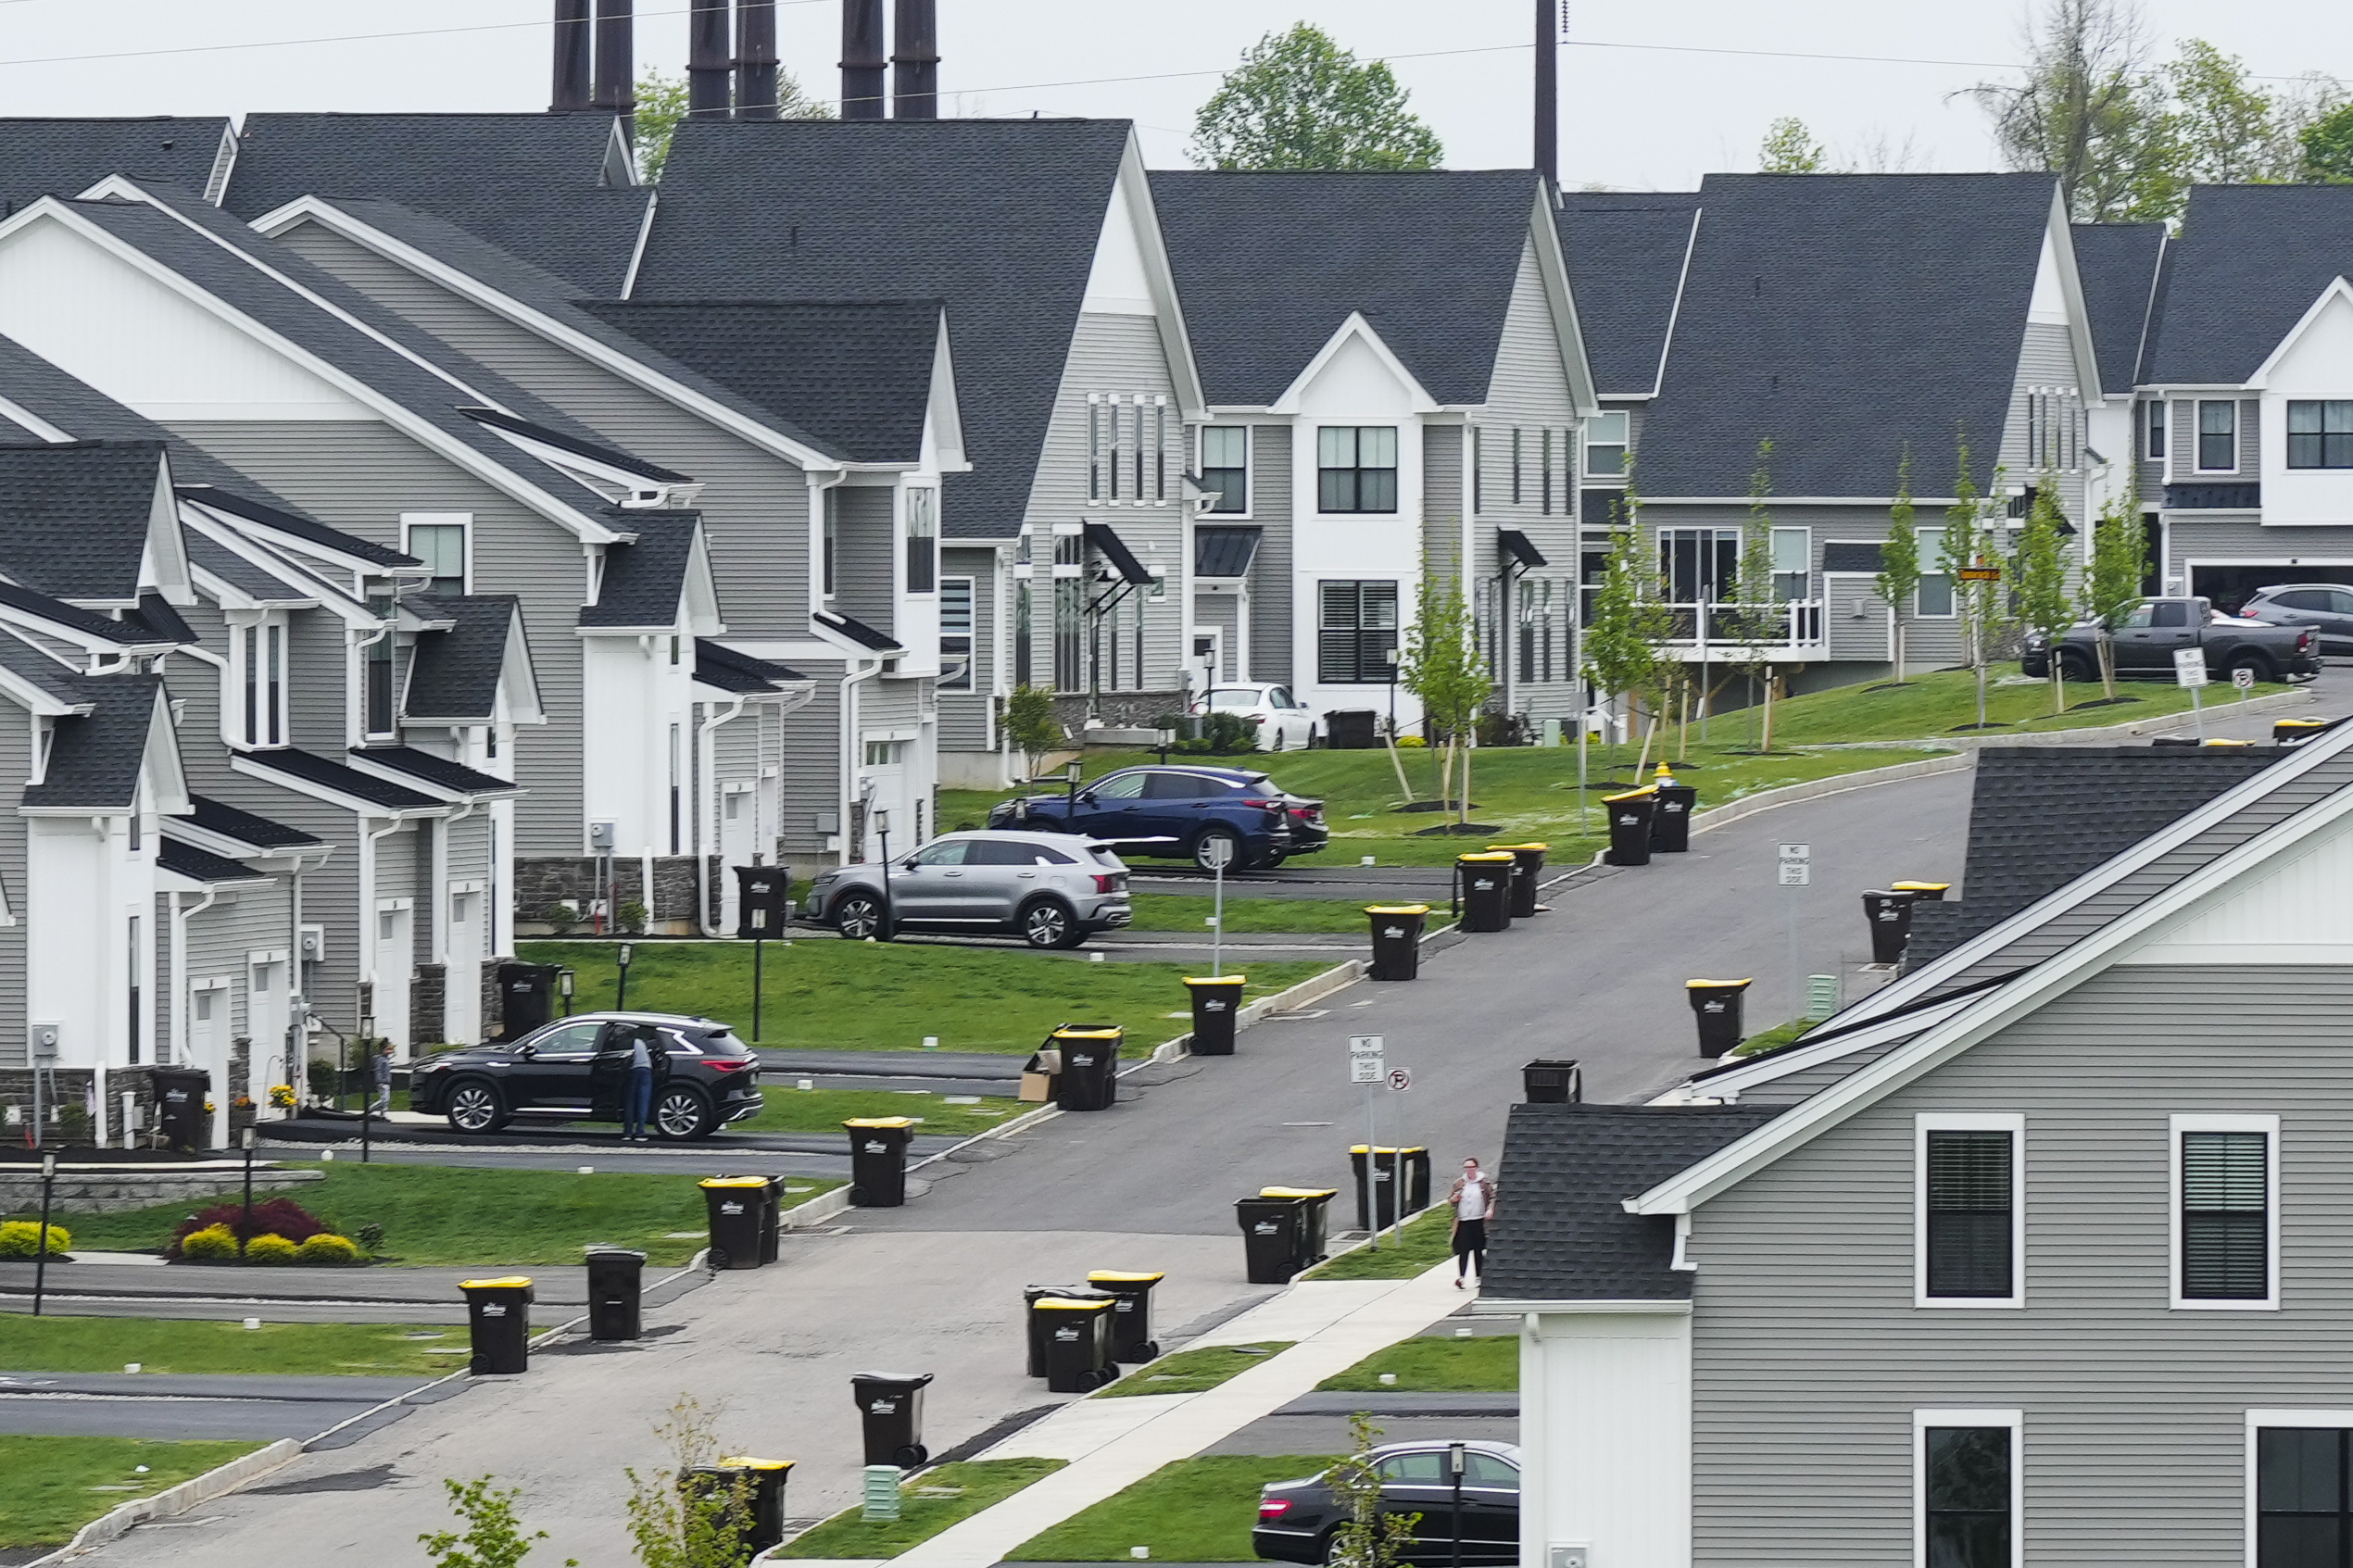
column 1793, row 564
column 443, row 542
column 2299, row 1487
column 923, row 539
column 253, row 706
column 1607, row 435
column 1969, row 1209
column 1225, row 470
column 1966, row 1475
column 2225, row 1212
column 1356, row 468
column 1932, row 599
column 955, row 633
column 2217, row 435
column 2153, row 439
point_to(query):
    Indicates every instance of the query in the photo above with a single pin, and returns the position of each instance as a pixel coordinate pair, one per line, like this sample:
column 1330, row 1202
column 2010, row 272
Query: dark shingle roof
column 341, row 778
column 1269, row 266
column 1223, row 551
column 997, row 218
column 859, row 632
column 719, row 665
column 530, row 184
column 94, row 759
column 1843, row 316
column 2251, row 262
column 291, row 523
column 644, row 582
column 2118, row 265
column 436, row 770
column 231, row 822
column 454, row 674
column 202, row 865
column 163, row 622
column 72, row 617
column 248, row 578
column 1625, row 258
column 564, row 441
column 2043, row 816
column 74, row 518
column 1561, row 1231
column 857, row 375
column 65, row 158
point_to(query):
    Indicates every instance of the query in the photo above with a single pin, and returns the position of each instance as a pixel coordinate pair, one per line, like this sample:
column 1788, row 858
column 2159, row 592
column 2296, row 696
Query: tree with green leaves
column 2090, row 110
column 1899, row 559
column 1789, row 148
column 1300, row 101
column 2112, row 578
column 1030, row 724
column 2325, row 149
column 1756, row 615
column 1972, row 547
column 492, row 1538
column 1442, row 667
column 662, row 104
column 683, row 1515
column 2039, row 586
column 1369, row 1535
column 1624, row 638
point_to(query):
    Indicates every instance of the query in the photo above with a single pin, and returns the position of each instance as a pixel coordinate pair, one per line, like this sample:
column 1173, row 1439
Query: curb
column 1815, row 789
column 175, row 1500
column 2224, row 708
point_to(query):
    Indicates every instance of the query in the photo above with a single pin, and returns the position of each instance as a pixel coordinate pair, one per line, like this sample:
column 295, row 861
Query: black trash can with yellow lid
column 1035, row 1323
column 1078, row 1343
column 1671, row 819
column 878, row 1159
column 1217, row 1006
column 1889, row 915
column 737, row 1210
column 759, row 1523
column 1527, row 872
column 1925, row 892
column 1397, row 940
column 1629, row 826
column 1314, row 1225
column 1717, row 1005
column 498, row 1324
column 1131, row 1312
column 1090, row 1078
column 1485, row 880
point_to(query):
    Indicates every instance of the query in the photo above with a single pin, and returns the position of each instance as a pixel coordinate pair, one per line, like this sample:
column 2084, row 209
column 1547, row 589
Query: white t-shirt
column 1472, row 1205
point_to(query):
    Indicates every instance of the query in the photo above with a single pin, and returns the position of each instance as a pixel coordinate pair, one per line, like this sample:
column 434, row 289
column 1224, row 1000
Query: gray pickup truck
column 2148, row 635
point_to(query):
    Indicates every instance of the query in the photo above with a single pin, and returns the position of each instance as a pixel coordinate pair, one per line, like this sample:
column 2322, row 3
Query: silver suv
column 1051, row 889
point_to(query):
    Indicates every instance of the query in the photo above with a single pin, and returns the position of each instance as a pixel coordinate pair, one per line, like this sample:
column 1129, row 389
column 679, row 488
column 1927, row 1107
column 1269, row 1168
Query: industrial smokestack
column 575, row 47
column 1548, row 110
column 915, row 60
column 617, row 59
column 862, row 59
column 707, row 62
column 756, row 59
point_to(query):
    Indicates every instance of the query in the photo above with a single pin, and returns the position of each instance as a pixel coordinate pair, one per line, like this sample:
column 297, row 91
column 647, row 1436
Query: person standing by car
column 381, row 1070
column 637, row 1094
column 1472, row 1199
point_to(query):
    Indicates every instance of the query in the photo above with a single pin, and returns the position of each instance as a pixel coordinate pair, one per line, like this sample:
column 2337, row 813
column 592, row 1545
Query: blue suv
column 1197, row 814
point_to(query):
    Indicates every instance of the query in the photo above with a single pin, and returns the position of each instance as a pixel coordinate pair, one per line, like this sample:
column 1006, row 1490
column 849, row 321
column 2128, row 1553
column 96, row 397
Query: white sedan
column 1284, row 724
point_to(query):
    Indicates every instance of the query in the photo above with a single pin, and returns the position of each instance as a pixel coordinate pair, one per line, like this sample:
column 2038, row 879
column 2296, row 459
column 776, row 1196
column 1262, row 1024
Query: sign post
column 2244, row 679
column 1795, row 869
column 1366, row 1066
column 1218, row 849
column 2189, row 670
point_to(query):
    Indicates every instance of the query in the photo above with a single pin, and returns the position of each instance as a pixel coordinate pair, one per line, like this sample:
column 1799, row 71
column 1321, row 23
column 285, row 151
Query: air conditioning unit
column 314, row 943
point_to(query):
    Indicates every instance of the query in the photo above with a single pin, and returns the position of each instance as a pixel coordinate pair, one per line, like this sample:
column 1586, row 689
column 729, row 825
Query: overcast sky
column 1635, row 117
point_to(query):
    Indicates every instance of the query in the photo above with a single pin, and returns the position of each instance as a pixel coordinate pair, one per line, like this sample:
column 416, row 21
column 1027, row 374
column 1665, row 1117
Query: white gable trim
column 1552, row 270
column 17, row 414
column 2337, row 289
column 1726, row 1087
column 1356, row 327
column 163, row 560
column 2060, row 240
column 943, row 439
column 1175, row 342
column 165, row 784
column 1675, row 308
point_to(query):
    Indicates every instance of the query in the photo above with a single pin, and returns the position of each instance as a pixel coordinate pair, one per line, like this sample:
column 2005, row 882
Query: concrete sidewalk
column 1111, row 1444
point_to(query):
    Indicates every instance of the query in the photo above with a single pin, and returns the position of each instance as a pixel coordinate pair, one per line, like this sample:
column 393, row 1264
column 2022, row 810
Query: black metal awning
column 1522, row 549
column 1113, row 548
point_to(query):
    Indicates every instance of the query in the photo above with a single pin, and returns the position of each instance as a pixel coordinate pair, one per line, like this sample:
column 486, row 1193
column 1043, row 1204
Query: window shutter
column 2226, row 1222
column 1969, row 1214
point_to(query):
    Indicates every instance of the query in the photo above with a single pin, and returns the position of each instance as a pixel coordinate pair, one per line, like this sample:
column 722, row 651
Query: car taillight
column 1266, row 805
column 1257, row 718
column 730, row 1063
column 1273, row 1508
column 1108, row 882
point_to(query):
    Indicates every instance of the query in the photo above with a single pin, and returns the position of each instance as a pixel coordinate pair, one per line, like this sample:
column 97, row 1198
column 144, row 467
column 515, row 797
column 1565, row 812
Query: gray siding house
column 2034, row 1255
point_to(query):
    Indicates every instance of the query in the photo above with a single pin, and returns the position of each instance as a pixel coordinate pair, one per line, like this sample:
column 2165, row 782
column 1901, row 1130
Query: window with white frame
column 1224, row 466
column 830, row 545
column 2226, row 1226
column 2301, row 1502
column 955, row 633
column 377, row 675
column 923, row 539
column 256, row 708
column 2153, row 445
column 2217, row 435
column 2320, row 433
column 1970, row 1245
column 1606, row 441
column 439, row 539
column 1356, row 468
column 1355, row 631
column 1932, row 601
column 1793, row 563
column 1965, row 1486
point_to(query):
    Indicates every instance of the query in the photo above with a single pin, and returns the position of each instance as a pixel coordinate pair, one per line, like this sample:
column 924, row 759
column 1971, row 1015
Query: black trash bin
column 1381, row 1175
column 1078, row 1343
column 1397, row 939
column 890, row 1410
column 1217, row 1006
column 1271, row 1229
column 1527, row 873
column 1717, row 1003
column 1924, row 892
column 738, row 1207
column 499, row 1320
column 615, row 1278
column 1089, row 1079
column 1351, row 729
column 527, row 998
column 1671, row 820
column 1486, row 882
column 771, row 1222
column 1131, row 1312
column 1035, row 1323
column 180, row 1113
column 761, row 1485
column 1630, row 826
column 1547, row 1081
column 879, row 1160
column 1315, row 1219
column 1890, row 917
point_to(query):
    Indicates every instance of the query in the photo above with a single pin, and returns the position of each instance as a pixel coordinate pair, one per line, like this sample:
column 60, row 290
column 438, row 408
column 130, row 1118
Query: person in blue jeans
column 637, row 1094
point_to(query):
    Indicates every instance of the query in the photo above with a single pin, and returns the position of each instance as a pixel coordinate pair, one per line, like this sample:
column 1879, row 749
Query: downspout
column 706, row 812
column 180, row 919
column 849, row 754
column 441, row 909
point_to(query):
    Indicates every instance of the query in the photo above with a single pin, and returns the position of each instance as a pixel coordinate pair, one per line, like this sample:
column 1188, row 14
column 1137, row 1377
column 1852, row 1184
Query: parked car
column 1183, row 812
column 1296, row 1518
column 1282, row 721
column 1048, row 889
column 575, row 1069
column 2327, row 607
column 2148, row 635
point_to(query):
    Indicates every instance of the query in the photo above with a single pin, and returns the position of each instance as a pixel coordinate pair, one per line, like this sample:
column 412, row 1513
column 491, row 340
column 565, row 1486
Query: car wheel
column 1207, row 859
column 858, row 916
column 2078, row 667
column 1275, row 738
column 476, row 1107
column 1048, row 922
column 682, row 1112
column 1326, row 1545
column 2251, row 659
column 1314, row 739
column 1271, row 861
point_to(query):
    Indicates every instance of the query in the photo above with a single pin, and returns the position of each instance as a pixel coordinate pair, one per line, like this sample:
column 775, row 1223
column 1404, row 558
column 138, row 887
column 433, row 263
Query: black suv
column 1202, row 814
column 574, row 1070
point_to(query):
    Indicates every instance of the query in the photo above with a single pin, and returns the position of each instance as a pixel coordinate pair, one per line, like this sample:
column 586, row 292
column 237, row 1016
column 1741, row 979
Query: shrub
column 272, row 1249
column 326, row 1248
column 209, row 1245
column 634, row 917
column 279, row 1216
column 1403, row 741
column 1229, row 732
column 562, row 916
column 21, row 1238
column 371, row 1236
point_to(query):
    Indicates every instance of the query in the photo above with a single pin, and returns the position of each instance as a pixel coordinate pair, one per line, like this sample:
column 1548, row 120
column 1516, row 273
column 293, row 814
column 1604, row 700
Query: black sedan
column 1296, row 1518
column 575, row 1069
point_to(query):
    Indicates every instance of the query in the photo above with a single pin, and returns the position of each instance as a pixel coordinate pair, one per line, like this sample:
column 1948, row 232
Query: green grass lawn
column 444, row 1215
column 1197, row 1509
column 787, row 1109
column 1427, row 1239
column 889, row 996
column 931, row 1503
column 52, row 1486
column 1937, row 704
column 1779, row 1037
column 1189, row 1372
column 1160, row 911
column 1486, row 1365
column 284, row 1350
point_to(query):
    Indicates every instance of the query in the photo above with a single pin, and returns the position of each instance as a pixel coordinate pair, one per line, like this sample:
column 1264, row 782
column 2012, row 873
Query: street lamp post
column 367, row 1094
column 621, row 990
column 882, row 831
column 246, row 1228
column 41, row 1264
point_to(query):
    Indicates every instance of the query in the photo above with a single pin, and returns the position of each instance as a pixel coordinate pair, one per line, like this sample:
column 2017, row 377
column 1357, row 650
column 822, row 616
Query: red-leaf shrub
column 279, row 1216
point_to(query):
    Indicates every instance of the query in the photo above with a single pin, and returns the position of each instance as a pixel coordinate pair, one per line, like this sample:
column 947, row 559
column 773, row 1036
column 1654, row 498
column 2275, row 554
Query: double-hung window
column 830, row 546
column 2154, row 446
column 438, row 539
column 1970, row 1244
column 1606, row 438
column 2303, row 1493
column 2320, row 433
column 1355, row 633
column 955, row 633
column 1966, row 1488
column 1356, row 468
column 1224, row 466
column 377, row 686
column 1932, row 601
column 258, row 678
column 923, row 539
column 1793, row 563
column 2217, row 435
column 2226, row 1224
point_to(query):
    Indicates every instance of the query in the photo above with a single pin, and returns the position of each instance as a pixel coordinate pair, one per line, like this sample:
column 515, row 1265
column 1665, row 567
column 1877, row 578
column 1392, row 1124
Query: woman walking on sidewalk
column 1472, row 1199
